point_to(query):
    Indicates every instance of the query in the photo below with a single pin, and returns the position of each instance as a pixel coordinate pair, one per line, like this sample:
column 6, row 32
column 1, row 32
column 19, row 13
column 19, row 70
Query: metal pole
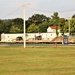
column 24, row 29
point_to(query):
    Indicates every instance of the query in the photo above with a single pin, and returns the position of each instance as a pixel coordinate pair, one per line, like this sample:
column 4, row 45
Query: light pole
column 24, row 12
column 24, row 26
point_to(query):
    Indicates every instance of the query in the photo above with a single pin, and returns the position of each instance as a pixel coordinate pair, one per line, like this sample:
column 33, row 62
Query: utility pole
column 24, row 12
column 24, row 26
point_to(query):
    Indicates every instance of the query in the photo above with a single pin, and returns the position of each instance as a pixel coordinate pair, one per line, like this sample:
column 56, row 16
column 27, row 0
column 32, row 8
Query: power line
column 35, row 10
column 39, row 9
column 67, row 10
column 50, row 11
column 11, row 12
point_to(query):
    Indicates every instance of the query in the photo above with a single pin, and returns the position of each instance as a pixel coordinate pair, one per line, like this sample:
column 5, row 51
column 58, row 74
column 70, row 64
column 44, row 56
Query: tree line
column 38, row 23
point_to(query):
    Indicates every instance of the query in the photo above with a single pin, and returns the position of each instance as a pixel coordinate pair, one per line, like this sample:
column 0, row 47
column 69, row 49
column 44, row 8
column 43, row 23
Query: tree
column 43, row 26
column 62, row 24
column 36, row 19
column 1, row 22
column 14, row 29
column 18, row 23
column 55, row 20
column 12, row 25
column 72, row 26
column 73, row 16
column 1, row 26
column 2, row 29
column 66, row 27
column 32, row 28
column 5, row 26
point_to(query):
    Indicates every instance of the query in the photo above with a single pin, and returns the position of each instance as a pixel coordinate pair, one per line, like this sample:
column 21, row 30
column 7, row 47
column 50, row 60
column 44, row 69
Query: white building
column 29, row 36
column 53, row 29
column 51, row 33
column 7, row 37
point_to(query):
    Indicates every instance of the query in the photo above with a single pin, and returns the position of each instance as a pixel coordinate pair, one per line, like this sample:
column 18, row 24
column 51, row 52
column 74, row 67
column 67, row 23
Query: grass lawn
column 37, row 60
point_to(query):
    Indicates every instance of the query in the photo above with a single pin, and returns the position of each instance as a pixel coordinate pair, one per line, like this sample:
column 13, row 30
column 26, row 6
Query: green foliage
column 62, row 24
column 73, row 16
column 55, row 20
column 14, row 29
column 38, row 23
column 5, row 27
column 72, row 25
column 43, row 26
column 1, row 22
column 33, row 28
column 66, row 27
column 36, row 19
column 1, row 26
column 18, row 23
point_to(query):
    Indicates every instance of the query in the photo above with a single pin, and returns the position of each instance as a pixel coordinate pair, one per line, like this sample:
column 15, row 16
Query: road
column 7, row 44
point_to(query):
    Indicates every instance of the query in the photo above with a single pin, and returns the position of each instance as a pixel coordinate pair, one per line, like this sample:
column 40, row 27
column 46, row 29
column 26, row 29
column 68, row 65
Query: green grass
column 37, row 61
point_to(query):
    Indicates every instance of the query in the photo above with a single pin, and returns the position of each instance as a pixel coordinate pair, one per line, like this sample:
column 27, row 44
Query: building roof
column 54, row 27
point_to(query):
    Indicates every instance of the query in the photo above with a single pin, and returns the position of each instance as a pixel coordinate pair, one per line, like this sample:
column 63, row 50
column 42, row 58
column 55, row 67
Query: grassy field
column 37, row 61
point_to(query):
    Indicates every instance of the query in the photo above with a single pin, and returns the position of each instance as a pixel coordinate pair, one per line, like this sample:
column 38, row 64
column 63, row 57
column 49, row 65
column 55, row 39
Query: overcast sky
column 10, row 8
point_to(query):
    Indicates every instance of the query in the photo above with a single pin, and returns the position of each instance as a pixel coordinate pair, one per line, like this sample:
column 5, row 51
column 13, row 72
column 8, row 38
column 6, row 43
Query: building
column 7, row 37
column 52, row 29
column 51, row 34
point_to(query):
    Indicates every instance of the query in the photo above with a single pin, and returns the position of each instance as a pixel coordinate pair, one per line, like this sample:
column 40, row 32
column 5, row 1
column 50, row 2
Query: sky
column 14, row 8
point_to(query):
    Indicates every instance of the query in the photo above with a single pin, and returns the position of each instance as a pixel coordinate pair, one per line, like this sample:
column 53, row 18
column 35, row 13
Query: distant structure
column 49, row 35
column 52, row 29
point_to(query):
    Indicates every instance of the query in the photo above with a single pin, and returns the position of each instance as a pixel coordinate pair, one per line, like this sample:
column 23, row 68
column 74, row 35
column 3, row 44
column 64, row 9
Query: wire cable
column 35, row 10
column 50, row 11
column 11, row 12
